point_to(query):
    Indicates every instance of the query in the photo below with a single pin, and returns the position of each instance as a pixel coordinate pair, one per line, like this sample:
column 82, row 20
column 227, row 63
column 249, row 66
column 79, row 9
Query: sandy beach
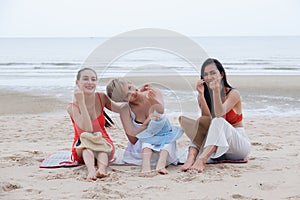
column 33, row 127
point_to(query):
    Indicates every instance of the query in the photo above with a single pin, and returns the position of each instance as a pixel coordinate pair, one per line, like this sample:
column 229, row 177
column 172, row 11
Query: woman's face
column 87, row 82
column 131, row 92
column 211, row 73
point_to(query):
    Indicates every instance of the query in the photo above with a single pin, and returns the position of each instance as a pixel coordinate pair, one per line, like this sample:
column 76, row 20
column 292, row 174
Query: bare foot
column 162, row 171
column 147, row 174
column 102, row 172
column 91, row 176
column 199, row 165
column 101, row 175
column 188, row 164
column 146, row 169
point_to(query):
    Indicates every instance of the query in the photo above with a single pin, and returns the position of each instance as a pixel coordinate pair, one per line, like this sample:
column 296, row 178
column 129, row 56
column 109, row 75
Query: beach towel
column 59, row 159
column 182, row 156
column 63, row 159
column 224, row 160
column 184, row 153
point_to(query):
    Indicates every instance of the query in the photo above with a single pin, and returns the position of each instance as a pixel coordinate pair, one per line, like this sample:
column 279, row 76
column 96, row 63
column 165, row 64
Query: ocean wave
column 247, row 63
column 40, row 63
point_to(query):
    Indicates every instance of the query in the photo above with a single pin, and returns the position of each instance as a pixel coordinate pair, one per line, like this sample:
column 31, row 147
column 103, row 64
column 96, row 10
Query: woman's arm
column 110, row 104
column 201, row 99
column 80, row 113
column 221, row 108
column 126, row 120
column 203, row 106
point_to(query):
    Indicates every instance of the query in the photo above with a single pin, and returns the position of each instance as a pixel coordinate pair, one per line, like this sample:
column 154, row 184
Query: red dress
column 98, row 126
column 231, row 116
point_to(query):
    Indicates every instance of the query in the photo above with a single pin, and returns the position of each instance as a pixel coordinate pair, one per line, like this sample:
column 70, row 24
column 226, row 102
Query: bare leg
column 89, row 160
column 193, row 152
column 146, row 166
column 102, row 162
column 162, row 162
column 199, row 165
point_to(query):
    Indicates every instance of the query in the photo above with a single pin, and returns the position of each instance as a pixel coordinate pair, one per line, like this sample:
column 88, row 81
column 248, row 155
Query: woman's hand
column 146, row 122
column 155, row 99
column 200, row 86
column 154, row 116
column 79, row 95
column 215, row 85
column 145, row 87
column 152, row 97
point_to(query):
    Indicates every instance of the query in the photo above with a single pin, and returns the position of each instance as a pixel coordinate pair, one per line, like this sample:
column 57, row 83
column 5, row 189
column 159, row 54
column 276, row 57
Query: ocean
column 47, row 66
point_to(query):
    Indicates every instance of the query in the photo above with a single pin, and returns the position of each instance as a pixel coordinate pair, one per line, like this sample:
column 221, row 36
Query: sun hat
column 93, row 141
column 160, row 132
column 196, row 130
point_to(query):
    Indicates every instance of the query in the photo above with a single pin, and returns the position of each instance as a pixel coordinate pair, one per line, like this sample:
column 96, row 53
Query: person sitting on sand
column 87, row 115
column 220, row 102
column 146, row 128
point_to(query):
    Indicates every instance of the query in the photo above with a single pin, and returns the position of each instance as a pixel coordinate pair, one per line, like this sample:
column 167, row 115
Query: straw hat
column 93, row 141
column 196, row 130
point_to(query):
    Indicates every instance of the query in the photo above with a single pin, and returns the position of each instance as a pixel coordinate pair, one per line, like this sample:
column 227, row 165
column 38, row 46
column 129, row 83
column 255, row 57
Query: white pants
column 233, row 142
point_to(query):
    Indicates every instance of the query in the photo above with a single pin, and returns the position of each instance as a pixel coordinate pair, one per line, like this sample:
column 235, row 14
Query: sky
column 99, row 18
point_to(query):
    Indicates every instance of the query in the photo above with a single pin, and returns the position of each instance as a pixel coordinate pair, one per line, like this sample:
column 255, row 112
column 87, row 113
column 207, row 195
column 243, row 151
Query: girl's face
column 211, row 73
column 87, row 82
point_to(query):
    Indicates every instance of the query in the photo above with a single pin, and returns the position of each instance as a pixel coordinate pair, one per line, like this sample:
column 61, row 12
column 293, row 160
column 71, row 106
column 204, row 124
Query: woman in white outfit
column 226, row 136
column 143, row 105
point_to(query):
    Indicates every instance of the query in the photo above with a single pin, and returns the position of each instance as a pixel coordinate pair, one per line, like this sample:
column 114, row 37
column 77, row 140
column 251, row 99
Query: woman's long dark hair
column 207, row 92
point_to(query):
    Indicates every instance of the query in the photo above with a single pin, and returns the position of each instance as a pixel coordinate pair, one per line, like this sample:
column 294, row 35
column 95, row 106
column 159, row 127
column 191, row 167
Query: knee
column 147, row 150
column 87, row 151
column 217, row 121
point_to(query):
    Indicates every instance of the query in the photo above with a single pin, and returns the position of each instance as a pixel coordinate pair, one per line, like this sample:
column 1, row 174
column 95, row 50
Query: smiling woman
column 222, row 103
column 87, row 115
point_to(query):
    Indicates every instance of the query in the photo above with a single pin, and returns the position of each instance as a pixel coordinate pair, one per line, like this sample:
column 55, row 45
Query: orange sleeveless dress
column 98, row 126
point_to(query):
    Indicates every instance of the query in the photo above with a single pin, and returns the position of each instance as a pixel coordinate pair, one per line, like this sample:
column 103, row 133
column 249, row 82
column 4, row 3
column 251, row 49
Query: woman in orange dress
column 87, row 115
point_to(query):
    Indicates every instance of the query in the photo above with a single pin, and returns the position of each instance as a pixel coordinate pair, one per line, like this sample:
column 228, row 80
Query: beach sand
column 33, row 127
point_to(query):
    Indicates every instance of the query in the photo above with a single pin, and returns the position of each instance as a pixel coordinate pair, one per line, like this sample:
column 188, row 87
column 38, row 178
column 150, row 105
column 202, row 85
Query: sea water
column 48, row 66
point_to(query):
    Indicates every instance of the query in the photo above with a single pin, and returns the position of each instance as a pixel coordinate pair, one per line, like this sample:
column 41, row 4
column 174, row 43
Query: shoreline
column 280, row 89
column 245, row 83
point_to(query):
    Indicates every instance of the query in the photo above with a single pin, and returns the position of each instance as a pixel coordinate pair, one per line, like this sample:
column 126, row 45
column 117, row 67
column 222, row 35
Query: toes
column 101, row 175
column 162, row 171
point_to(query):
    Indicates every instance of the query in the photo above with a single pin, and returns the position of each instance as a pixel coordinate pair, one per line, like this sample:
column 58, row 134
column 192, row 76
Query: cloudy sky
column 96, row 18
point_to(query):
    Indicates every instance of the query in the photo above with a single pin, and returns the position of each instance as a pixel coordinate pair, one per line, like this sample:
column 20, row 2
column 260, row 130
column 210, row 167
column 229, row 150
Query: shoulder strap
column 98, row 93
